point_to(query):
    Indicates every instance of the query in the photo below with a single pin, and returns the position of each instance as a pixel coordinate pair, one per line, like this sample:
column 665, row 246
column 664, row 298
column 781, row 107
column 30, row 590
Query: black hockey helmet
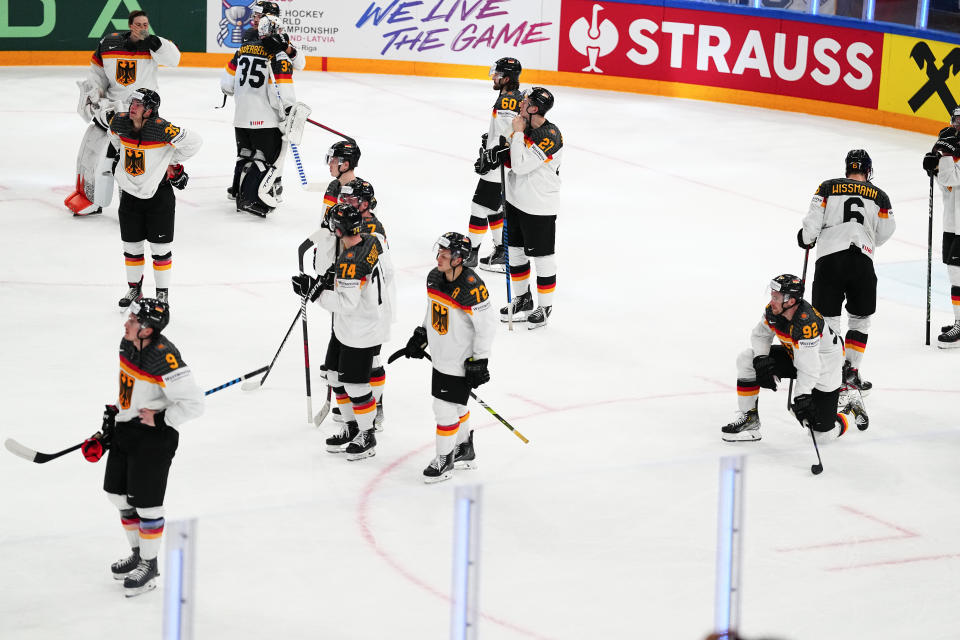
column 151, row 313
column 267, row 8
column 789, row 285
column 541, row 98
column 148, row 98
column 507, row 67
column 345, row 151
column 458, row 244
column 346, row 218
column 359, row 188
column 858, row 161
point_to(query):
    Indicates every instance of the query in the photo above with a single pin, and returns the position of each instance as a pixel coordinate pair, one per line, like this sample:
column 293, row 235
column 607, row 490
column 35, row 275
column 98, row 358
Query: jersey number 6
column 849, row 213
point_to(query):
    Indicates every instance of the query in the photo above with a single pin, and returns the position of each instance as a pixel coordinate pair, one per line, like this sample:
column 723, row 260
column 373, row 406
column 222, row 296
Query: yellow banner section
column 920, row 77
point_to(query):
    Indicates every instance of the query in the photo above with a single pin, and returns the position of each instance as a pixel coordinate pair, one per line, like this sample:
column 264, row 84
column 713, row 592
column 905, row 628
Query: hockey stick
column 27, row 453
column 506, row 244
column 929, row 256
column 250, row 385
column 815, row 469
column 333, row 131
column 803, row 279
column 306, row 355
column 324, row 410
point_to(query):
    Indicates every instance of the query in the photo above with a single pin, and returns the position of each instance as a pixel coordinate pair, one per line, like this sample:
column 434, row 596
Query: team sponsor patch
column 817, row 199
column 176, row 375
column 808, row 343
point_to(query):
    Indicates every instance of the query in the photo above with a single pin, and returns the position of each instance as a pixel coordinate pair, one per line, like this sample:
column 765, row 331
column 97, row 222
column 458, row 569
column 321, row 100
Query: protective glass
column 494, row 73
column 330, row 156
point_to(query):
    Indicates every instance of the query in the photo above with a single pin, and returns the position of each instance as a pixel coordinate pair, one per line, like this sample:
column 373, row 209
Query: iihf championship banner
column 468, row 32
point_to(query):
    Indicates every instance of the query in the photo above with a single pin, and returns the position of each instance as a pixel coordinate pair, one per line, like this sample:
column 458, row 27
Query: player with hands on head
column 158, row 394
column 533, row 200
column 809, row 351
column 847, row 220
column 458, row 328
column 946, row 154
column 281, row 41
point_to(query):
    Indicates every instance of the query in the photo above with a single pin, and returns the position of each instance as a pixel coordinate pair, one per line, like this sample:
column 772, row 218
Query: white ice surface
column 675, row 215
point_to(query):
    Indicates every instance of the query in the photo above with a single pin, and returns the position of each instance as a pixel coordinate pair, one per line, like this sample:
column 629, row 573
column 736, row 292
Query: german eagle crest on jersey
column 133, row 162
column 440, row 318
column 126, row 72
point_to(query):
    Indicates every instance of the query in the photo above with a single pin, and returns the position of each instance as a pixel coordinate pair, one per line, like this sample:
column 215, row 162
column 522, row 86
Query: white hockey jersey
column 158, row 379
column 145, row 154
column 816, row 350
column 460, row 320
column 261, row 85
column 533, row 182
column 847, row 212
column 119, row 65
column 948, row 177
column 505, row 109
column 358, row 299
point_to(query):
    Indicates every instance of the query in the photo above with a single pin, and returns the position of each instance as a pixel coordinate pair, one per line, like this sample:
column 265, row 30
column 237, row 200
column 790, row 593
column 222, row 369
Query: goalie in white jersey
column 123, row 61
column 459, row 327
column 848, row 219
column 943, row 163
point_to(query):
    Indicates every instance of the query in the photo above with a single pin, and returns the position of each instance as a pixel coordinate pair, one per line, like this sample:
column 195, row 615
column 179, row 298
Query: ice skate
column 338, row 442
column 851, row 377
column 496, row 261
column 133, row 294
column 121, row 568
column 520, row 306
column 538, row 318
column 472, row 259
column 142, row 579
column 464, row 455
column 256, row 208
column 378, row 419
column 439, row 470
column 744, row 428
column 364, row 445
column 855, row 408
column 950, row 338
column 163, row 295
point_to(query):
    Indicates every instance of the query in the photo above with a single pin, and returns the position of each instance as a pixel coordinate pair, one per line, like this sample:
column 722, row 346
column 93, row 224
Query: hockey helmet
column 269, row 25
column 344, row 151
column 789, row 285
column 151, row 313
column 346, row 219
column 955, row 117
column 540, row 98
column 506, row 67
column 458, row 244
column 267, row 8
column 148, row 98
column 357, row 188
column 858, row 161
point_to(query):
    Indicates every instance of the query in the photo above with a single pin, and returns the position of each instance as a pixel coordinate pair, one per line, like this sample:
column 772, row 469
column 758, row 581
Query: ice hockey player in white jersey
column 847, row 220
column 942, row 163
column 151, row 153
column 158, row 394
column 485, row 209
column 260, row 78
column 353, row 290
column 123, row 61
column 809, row 351
column 261, row 9
column 459, row 327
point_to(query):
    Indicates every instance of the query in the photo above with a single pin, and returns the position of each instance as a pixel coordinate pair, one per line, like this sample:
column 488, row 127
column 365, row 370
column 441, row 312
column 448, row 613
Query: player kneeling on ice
column 809, row 351
column 459, row 328
column 157, row 394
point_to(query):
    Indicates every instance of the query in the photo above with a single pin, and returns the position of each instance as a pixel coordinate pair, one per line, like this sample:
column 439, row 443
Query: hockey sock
column 131, row 526
column 844, row 420
column 133, row 259
column 855, row 344
column 835, row 323
column 748, row 392
column 546, row 279
column 162, row 261
column 519, row 271
column 447, row 437
column 464, row 431
column 343, row 403
column 477, row 229
column 151, row 531
column 496, row 227
column 363, row 405
column 955, row 298
column 378, row 376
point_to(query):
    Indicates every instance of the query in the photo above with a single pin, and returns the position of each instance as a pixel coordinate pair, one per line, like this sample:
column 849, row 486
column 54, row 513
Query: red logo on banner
column 730, row 50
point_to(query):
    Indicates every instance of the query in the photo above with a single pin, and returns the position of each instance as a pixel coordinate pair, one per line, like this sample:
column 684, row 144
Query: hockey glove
column 328, row 278
column 804, row 410
column 479, row 164
column 177, row 176
column 110, row 412
column 416, row 344
column 492, row 158
column 153, row 42
column 802, row 244
column 304, row 285
column 92, row 448
column 764, row 365
column 946, row 146
column 102, row 118
column 273, row 43
column 476, row 372
column 930, row 163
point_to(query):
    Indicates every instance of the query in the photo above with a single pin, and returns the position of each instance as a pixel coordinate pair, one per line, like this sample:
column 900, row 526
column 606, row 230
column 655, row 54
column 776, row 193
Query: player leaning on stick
column 485, row 209
column 123, row 61
column 847, row 220
column 151, row 152
column 809, row 351
column 459, row 327
column 157, row 395
column 354, row 291
column 535, row 150
column 942, row 162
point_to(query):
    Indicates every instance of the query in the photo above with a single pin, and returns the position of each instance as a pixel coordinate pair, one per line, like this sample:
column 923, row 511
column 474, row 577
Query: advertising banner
column 472, row 32
column 75, row 25
column 730, row 50
column 920, row 78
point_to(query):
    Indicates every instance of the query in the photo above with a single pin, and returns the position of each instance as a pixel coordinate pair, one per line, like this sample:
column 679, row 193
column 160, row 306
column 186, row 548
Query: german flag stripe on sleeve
column 138, row 373
column 232, row 67
column 443, row 298
column 884, row 213
column 329, row 200
column 283, row 78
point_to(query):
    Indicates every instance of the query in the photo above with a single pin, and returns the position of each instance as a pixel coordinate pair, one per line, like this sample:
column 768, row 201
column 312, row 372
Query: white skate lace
column 142, row 569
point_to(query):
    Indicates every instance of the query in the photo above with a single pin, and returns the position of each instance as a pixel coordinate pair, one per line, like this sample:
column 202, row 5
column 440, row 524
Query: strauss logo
column 593, row 40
